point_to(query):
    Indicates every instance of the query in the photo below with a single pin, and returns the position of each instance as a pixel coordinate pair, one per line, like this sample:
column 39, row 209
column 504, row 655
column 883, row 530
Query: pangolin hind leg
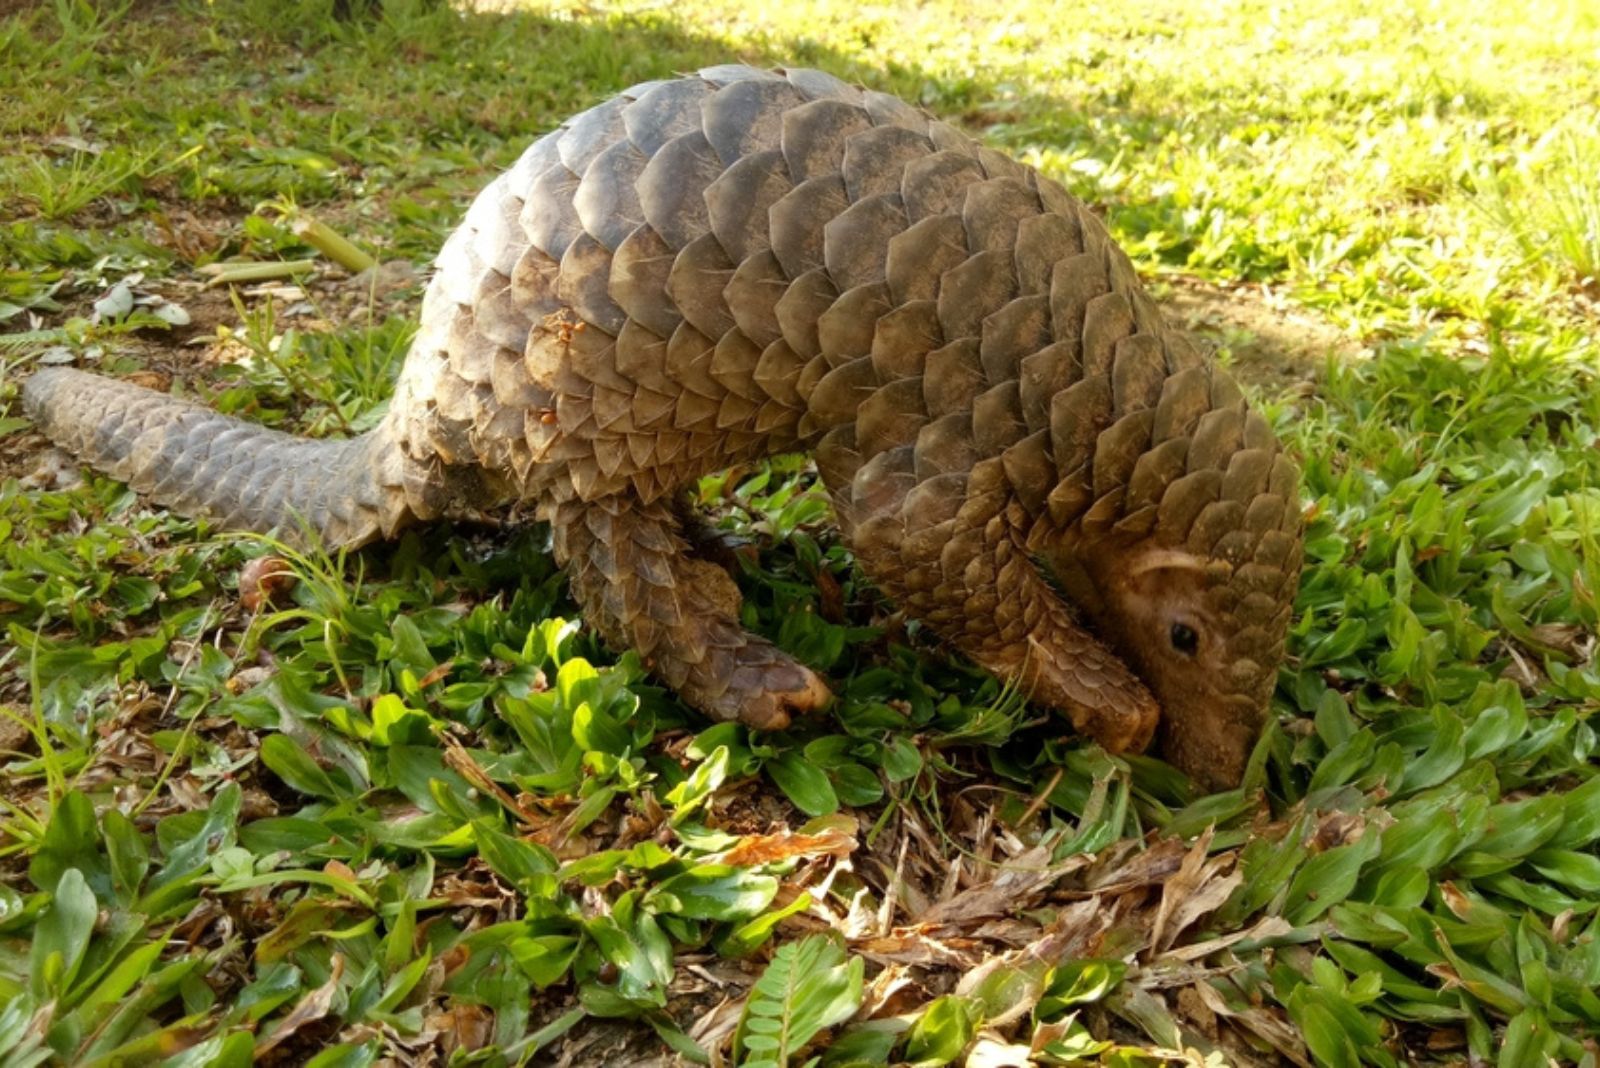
column 630, row 569
column 949, row 548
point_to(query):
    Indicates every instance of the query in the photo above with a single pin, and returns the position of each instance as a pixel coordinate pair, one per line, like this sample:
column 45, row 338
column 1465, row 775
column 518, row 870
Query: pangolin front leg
column 630, row 570
column 955, row 557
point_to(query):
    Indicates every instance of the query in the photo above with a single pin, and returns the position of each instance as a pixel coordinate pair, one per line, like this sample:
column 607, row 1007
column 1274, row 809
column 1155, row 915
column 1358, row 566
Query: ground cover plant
column 397, row 807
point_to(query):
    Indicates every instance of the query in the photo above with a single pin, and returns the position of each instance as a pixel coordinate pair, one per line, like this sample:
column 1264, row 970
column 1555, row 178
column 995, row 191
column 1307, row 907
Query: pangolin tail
column 243, row 476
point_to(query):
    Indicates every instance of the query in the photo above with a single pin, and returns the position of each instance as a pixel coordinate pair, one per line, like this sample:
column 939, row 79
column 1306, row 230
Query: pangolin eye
column 1184, row 639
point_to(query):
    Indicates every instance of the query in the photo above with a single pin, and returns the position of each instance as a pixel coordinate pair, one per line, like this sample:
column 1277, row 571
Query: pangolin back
column 733, row 264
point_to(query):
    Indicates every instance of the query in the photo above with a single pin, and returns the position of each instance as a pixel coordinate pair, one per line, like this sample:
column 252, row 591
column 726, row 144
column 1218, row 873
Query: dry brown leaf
column 951, row 880
column 1075, row 933
column 1146, row 867
column 263, row 580
column 697, row 973
column 1446, row 1039
column 155, row 380
column 918, row 948
column 185, row 789
column 14, row 732
column 1014, row 933
column 1268, row 927
column 1193, row 1008
column 457, row 757
column 1456, row 901
column 314, row 1006
column 1337, row 829
column 769, row 848
column 1266, row 1025
column 882, row 992
column 1047, row 1033
column 1214, row 893
column 463, row 1026
column 861, row 920
column 993, row 1051
column 1568, row 640
column 340, row 870
column 715, row 1026
column 1015, row 886
column 247, row 678
column 1180, row 886
column 440, row 672
column 830, row 596
column 891, row 893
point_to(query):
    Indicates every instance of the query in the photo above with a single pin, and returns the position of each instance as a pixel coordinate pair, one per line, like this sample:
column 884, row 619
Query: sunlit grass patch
column 408, row 808
column 1548, row 206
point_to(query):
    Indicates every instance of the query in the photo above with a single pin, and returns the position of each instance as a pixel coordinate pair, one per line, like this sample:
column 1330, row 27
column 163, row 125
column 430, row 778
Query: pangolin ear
column 1165, row 560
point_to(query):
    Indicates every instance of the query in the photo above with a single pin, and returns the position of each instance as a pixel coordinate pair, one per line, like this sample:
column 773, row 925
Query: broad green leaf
column 677, row 1041
column 714, row 892
column 595, row 730
column 347, row 1055
column 804, row 784
column 1329, row 1043
column 233, row 1050
column 400, row 943
column 1348, row 760
column 632, row 942
column 410, row 649
column 868, row 1043
column 856, row 784
column 1443, row 757
column 519, row 862
column 305, row 920
column 1327, row 878
column 72, row 842
column 62, row 936
column 1577, row 871
column 901, row 760
column 292, row 834
column 395, row 724
column 1580, row 822
column 128, row 973
column 402, row 983
column 216, row 832
column 701, row 783
column 755, row 932
column 576, row 682
column 942, row 1032
column 1077, row 983
column 1515, row 829
column 299, row 771
column 274, row 985
column 545, row 959
column 128, row 853
column 1528, row 1041
column 1334, row 722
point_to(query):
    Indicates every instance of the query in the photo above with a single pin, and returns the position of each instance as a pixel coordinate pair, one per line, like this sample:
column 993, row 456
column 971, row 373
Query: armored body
column 721, row 267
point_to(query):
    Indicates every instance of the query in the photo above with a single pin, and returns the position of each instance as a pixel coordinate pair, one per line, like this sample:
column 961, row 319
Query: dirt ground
column 1270, row 343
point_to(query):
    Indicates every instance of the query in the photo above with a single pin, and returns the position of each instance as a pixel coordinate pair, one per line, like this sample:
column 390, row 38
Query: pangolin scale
column 717, row 268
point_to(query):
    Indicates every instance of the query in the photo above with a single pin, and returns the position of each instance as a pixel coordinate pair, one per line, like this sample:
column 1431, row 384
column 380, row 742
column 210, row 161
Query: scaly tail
column 243, row 476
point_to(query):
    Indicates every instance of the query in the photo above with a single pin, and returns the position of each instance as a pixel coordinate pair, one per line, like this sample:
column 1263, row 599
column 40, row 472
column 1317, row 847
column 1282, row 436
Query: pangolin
column 716, row 268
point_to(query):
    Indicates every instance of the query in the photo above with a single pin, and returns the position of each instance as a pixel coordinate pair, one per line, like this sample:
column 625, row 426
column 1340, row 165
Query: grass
column 1555, row 217
column 407, row 812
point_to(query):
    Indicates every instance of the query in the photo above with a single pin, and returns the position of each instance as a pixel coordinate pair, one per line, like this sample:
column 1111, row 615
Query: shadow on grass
column 519, row 73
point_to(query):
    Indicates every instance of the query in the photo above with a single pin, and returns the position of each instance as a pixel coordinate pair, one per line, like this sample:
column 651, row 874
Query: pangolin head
column 1207, row 636
column 1192, row 581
